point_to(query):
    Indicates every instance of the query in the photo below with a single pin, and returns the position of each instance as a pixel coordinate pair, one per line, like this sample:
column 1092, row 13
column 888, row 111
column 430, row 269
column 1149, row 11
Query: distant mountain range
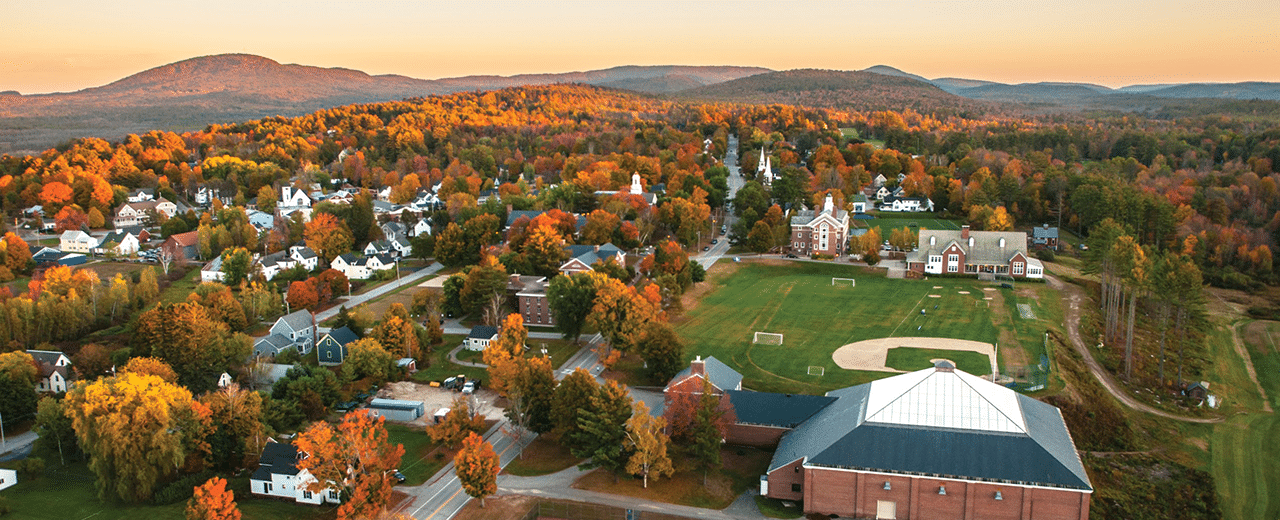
column 193, row 93
column 1067, row 93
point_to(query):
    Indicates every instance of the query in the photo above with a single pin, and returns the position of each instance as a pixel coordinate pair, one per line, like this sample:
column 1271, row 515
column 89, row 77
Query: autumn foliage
column 477, row 467
column 355, row 456
column 213, row 501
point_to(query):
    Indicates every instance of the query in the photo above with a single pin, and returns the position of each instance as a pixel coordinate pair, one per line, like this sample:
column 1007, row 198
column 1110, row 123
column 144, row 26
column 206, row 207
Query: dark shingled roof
column 277, row 459
column 342, row 335
column 482, row 332
column 781, row 410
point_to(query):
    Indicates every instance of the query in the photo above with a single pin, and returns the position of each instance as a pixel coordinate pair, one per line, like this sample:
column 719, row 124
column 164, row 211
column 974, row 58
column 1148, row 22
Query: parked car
column 707, row 248
column 791, row 255
column 398, row 475
column 715, row 241
column 469, row 388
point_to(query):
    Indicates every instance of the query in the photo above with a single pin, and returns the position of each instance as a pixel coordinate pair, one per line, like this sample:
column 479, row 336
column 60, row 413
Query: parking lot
column 436, row 398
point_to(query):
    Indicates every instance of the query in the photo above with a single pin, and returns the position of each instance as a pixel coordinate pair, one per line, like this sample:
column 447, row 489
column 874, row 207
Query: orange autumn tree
column 213, row 501
column 620, row 314
column 457, row 423
column 150, row 366
column 356, row 457
column 477, row 467
column 328, row 236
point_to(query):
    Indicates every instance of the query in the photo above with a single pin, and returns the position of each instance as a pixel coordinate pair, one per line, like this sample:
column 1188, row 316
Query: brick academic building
column 937, row 443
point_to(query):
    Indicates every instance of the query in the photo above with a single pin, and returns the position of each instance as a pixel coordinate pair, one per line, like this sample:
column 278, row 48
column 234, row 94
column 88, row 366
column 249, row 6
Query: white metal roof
column 945, row 399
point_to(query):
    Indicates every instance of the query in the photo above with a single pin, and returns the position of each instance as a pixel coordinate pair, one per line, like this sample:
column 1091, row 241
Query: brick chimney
column 964, row 232
column 698, row 367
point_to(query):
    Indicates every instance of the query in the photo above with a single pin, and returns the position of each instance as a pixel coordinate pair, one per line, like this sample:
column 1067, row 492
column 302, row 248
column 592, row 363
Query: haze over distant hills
column 193, row 93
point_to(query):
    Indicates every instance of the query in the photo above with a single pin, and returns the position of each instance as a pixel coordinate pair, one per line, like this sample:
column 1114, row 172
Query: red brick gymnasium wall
column 857, row 494
column 752, row 435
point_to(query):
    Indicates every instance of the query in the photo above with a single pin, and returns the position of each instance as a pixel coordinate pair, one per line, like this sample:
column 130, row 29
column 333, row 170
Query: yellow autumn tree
column 648, row 444
column 505, row 354
column 356, row 455
column 137, row 429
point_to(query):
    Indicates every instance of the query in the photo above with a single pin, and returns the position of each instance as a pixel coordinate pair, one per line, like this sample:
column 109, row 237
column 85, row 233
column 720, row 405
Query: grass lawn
column 541, row 457
column 69, row 492
column 888, row 221
column 816, row 318
column 1243, row 455
column 741, row 470
column 177, row 291
column 419, row 462
column 107, row 270
column 912, row 359
column 773, row 508
column 442, row 368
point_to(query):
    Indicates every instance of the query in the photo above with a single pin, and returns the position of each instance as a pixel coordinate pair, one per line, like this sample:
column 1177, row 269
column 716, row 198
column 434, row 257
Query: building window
column 306, row 495
column 266, row 487
column 953, row 263
column 1017, row 268
column 795, row 488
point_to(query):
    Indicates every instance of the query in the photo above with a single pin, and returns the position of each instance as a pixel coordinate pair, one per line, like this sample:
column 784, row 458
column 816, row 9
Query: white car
column 469, row 388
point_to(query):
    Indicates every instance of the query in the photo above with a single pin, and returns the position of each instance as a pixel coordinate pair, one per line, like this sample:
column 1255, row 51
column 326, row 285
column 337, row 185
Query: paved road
column 442, row 497
column 405, row 279
column 1075, row 298
column 17, row 446
column 735, row 181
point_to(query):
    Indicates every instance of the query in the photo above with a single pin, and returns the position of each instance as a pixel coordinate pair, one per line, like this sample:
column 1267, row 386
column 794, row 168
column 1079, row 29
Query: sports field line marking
column 904, row 318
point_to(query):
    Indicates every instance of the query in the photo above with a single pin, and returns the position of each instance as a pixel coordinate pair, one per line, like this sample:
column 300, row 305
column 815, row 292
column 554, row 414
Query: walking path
column 560, row 486
column 1075, row 298
column 1248, row 366
column 453, row 356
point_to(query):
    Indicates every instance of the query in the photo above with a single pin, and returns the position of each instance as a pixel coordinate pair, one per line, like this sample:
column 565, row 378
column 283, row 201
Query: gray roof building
column 938, row 422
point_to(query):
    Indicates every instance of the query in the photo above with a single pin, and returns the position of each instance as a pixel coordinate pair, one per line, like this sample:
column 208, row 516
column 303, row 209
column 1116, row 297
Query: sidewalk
column 17, row 446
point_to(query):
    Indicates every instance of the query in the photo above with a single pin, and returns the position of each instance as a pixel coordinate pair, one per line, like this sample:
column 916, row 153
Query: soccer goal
column 767, row 338
column 842, row 281
column 816, row 371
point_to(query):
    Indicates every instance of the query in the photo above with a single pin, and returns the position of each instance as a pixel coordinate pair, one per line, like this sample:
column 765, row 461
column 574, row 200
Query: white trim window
column 1017, row 267
column 953, row 263
column 822, row 240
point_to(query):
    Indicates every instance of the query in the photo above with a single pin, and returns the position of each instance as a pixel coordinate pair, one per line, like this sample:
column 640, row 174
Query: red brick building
column 531, row 299
column 932, row 444
column 935, row 443
column 823, row 232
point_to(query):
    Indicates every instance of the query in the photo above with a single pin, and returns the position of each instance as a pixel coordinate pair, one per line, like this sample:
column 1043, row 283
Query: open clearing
column 798, row 301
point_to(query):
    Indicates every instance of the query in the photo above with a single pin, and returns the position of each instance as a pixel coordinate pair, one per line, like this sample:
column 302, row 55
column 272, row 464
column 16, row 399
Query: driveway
column 17, row 447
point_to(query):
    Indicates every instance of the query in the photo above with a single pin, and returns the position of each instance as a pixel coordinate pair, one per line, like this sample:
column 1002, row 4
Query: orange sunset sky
column 64, row 45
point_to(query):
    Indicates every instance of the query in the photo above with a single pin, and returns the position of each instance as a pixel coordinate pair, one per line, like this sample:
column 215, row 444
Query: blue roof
column 720, row 374
column 342, row 335
column 1044, row 232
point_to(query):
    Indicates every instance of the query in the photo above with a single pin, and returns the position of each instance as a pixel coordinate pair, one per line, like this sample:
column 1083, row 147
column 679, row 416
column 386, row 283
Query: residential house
column 76, row 241
column 137, row 231
column 293, row 201
column 183, row 246
column 882, row 192
column 422, row 227
column 225, row 380
column 859, row 203
column 299, row 327
column 340, row 197
column 55, row 370
column 582, row 257
column 531, row 299
column 261, row 220
column 8, row 478
column 141, row 195
column 879, row 181
column 480, row 336
column 401, row 246
column 117, row 243
column 272, row 345
column 275, row 263
column 825, row 232
column 205, row 195
column 934, row 443
column 278, row 476
column 304, row 257
column 894, row 203
column 139, row 213
column 390, row 229
column 985, row 254
column 378, row 247
column 362, row 267
column 331, row 350
column 212, row 271
column 1045, row 236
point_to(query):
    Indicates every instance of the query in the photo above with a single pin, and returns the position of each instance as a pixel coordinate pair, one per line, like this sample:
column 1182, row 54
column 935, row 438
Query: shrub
column 31, row 466
column 1046, row 255
column 180, row 490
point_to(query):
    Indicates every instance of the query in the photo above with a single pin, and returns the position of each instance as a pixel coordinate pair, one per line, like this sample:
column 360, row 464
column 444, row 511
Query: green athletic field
column 889, row 221
column 816, row 318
